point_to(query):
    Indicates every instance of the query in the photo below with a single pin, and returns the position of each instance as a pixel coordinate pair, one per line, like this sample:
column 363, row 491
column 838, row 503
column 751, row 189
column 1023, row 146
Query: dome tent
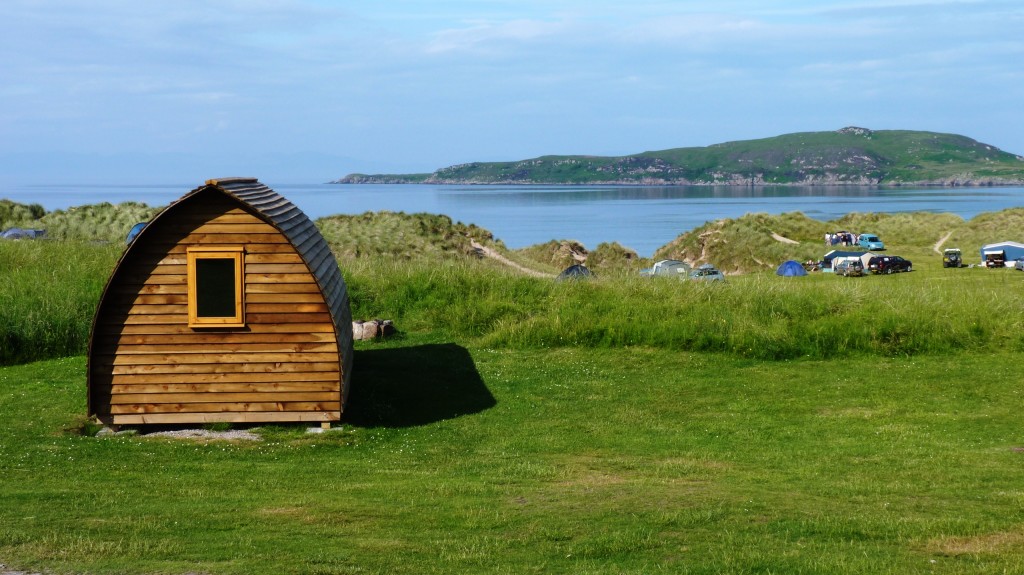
column 575, row 272
column 791, row 268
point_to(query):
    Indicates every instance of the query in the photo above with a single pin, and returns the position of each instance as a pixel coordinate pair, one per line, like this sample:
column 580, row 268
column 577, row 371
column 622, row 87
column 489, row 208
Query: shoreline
column 388, row 180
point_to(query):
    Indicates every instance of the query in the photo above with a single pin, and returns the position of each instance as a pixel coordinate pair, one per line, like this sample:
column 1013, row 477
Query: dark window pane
column 215, row 287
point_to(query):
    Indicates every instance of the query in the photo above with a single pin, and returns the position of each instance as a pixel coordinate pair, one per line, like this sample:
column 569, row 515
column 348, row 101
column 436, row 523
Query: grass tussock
column 400, row 235
column 104, row 222
column 555, row 254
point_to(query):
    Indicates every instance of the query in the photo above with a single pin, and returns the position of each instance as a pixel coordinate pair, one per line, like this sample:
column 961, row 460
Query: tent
column 22, row 234
column 840, row 254
column 791, row 268
column 671, row 268
column 576, row 272
column 1011, row 250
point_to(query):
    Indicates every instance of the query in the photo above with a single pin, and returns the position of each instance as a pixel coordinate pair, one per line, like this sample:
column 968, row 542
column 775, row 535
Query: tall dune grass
column 758, row 316
column 50, row 289
column 48, row 296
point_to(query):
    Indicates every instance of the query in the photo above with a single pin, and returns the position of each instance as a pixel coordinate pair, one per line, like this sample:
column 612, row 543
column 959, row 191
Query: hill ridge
column 848, row 156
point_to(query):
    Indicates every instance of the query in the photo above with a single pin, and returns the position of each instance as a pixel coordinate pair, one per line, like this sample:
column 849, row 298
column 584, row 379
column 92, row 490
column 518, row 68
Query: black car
column 889, row 265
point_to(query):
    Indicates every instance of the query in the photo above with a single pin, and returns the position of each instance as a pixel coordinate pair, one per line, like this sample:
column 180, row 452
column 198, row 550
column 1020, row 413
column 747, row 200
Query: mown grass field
column 465, row 459
column 519, row 425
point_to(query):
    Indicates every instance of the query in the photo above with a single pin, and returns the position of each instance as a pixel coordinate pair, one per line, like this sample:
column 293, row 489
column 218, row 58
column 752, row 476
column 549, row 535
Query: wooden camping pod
column 228, row 307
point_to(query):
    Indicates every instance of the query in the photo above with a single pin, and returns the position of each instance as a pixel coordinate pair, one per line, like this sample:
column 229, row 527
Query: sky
column 305, row 91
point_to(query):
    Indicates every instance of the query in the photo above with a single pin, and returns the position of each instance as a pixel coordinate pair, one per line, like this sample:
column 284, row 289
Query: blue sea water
column 640, row 218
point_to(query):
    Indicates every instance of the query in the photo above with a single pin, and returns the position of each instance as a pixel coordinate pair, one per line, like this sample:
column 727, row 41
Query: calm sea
column 641, row 218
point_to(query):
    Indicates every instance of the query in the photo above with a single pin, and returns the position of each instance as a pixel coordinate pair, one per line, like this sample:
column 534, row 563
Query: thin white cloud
column 479, row 36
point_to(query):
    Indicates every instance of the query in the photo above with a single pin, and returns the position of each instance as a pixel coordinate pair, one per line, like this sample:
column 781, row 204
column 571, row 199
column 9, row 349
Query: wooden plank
column 138, row 288
column 172, row 248
column 173, row 328
column 109, row 319
column 282, row 339
column 237, row 407
column 285, row 307
column 226, row 211
column 277, row 258
column 284, row 297
column 139, row 278
column 219, row 226
column 151, row 260
column 283, row 367
column 212, row 358
column 300, row 278
column 228, row 417
column 280, row 318
column 276, row 307
column 237, row 216
column 166, row 269
column 240, row 239
column 277, row 288
column 148, row 309
column 299, row 268
column 288, row 386
column 233, row 348
column 251, row 319
column 163, row 299
column 206, row 396
column 261, row 379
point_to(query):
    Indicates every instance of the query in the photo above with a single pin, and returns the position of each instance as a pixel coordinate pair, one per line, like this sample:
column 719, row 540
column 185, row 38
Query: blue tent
column 1011, row 251
column 791, row 268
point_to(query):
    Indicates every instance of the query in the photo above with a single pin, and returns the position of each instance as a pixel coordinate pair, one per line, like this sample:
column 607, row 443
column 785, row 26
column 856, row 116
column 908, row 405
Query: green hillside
column 850, row 156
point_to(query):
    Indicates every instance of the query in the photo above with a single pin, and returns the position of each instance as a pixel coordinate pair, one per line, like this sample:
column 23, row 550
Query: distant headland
column 850, row 156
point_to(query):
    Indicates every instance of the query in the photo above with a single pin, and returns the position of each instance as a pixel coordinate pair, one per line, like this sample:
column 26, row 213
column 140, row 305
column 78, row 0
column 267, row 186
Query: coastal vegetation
column 519, row 424
column 842, row 157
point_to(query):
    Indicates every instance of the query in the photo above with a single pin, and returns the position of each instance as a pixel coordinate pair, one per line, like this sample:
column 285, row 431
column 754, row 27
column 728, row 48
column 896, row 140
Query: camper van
column 995, row 258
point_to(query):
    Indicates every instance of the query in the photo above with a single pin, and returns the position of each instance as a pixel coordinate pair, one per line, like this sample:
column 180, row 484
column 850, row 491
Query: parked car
column 1018, row 264
column 707, row 272
column 850, row 267
column 870, row 242
column 136, row 229
column 952, row 258
column 889, row 265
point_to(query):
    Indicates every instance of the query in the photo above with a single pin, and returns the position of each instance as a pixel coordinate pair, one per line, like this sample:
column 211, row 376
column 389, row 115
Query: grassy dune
column 747, row 244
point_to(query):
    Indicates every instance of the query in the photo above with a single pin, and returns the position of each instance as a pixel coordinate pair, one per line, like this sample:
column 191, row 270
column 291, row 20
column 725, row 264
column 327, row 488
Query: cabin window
column 216, row 287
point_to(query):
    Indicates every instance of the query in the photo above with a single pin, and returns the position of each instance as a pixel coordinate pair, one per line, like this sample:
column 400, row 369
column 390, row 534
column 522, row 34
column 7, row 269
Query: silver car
column 707, row 272
column 850, row 268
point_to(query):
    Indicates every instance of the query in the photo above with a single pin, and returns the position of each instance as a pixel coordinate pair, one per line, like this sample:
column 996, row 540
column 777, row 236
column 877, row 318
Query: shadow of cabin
column 275, row 344
column 410, row 386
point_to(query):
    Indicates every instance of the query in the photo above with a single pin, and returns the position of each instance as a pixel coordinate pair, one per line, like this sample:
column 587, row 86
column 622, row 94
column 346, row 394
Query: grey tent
column 670, row 268
column 576, row 272
column 22, row 234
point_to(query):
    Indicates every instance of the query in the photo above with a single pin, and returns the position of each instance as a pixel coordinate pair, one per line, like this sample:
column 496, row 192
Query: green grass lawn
column 461, row 459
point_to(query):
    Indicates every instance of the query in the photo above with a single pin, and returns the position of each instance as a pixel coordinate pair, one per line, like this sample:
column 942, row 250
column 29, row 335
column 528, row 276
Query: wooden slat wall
column 148, row 366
